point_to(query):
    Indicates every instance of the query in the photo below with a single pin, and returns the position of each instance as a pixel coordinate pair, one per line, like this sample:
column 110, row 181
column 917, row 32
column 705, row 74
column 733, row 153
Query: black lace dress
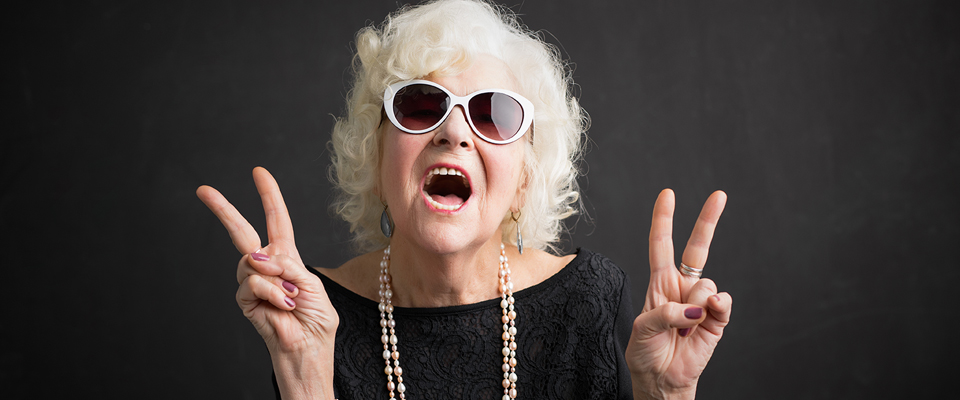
column 573, row 329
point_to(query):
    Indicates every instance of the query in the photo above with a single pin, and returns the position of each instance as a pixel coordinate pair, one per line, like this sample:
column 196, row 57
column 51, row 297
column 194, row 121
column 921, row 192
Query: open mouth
column 446, row 188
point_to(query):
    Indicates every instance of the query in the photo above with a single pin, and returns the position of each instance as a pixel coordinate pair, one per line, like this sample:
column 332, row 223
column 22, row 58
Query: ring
column 690, row 271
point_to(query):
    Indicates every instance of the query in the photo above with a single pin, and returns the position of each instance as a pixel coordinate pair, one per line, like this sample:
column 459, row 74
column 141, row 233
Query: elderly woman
column 456, row 167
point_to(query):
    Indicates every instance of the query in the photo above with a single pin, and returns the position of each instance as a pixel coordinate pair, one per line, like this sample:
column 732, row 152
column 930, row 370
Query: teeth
column 443, row 206
column 446, row 171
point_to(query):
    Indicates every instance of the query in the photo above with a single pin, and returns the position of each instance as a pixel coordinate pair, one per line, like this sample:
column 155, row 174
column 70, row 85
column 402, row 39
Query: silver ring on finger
column 690, row 271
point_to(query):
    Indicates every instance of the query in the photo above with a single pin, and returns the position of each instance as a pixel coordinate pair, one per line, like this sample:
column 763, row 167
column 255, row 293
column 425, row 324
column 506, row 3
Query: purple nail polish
column 716, row 297
column 684, row 331
column 289, row 286
column 259, row 257
column 289, row 302
column 693, row 313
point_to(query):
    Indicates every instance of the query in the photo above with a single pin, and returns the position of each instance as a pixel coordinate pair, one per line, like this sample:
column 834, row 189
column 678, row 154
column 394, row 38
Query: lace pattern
column 573, row 330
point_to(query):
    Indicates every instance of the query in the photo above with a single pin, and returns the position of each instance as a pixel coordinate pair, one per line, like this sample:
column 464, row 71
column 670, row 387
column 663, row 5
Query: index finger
column 279, row 227
column 244, row 237
column 661, row 233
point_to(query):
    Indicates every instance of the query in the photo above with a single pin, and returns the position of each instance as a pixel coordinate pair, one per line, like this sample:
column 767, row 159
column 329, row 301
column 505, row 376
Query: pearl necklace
column 389, row 335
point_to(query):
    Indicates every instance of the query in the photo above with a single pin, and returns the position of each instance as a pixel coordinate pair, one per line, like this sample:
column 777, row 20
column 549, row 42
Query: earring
column 386, row 225
column 519, row 236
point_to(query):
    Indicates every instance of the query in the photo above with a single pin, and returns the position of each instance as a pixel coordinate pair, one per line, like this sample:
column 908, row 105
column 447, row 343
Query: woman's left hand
column 683, row 317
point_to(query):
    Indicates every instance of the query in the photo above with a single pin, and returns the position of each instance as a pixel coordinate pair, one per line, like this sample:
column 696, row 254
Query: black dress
column 573, row 329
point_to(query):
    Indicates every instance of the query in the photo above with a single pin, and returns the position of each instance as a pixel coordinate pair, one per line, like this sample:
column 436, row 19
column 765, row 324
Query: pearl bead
column 509, row 329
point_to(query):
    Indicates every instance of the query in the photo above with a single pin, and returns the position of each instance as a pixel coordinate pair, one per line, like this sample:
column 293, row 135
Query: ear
column 521, row 197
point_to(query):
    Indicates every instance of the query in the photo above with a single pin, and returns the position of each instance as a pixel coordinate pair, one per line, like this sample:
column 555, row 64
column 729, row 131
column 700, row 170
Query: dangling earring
column 519, row 236
column 386, row 225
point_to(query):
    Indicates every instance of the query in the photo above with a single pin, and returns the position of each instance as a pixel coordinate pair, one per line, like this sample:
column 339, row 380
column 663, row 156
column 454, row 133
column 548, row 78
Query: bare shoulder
column 536, row 266
column 357, row 274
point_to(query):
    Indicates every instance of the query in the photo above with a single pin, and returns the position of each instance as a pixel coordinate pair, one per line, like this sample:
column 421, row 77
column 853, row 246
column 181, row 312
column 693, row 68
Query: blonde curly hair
column 444, row 37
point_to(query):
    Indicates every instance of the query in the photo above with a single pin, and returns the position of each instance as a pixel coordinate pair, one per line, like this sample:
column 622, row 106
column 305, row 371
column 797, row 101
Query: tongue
column 448, row 200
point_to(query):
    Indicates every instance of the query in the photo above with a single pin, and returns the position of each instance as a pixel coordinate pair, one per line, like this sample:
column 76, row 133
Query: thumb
column 665, row 317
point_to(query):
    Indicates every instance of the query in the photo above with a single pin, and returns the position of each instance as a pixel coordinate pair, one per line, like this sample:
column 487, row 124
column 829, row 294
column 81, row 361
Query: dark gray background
column 832, row 127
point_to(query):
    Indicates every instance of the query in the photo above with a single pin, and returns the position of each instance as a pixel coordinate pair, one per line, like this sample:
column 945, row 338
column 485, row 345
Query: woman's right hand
column 284, row 301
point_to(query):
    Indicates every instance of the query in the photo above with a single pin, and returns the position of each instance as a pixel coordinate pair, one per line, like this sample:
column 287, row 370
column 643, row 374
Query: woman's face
column 464, row 208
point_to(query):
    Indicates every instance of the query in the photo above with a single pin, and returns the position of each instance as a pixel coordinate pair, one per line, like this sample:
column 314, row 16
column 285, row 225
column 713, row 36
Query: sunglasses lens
column 418, row 107
column 496, row 115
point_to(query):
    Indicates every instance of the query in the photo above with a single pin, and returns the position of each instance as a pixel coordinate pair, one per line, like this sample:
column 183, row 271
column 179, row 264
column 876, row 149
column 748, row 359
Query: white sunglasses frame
column 463, row 101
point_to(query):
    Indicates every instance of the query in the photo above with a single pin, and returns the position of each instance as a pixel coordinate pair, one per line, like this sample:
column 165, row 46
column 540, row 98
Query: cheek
column 398, row 157
column 506, row 170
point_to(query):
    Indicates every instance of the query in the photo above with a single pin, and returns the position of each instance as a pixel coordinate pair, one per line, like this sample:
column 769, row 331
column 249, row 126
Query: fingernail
column 289, row 302
column 684, row 331
column 693, row 313
column 259, row 257
column 289, row 286
column 716, row 297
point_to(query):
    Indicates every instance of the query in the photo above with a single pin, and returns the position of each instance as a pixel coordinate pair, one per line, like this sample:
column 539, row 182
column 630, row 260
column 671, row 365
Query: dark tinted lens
column 419, row 107
column 496, row 115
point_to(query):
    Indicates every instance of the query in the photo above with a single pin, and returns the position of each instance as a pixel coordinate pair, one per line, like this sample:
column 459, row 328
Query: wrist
column 650, row 389
column 304, row 375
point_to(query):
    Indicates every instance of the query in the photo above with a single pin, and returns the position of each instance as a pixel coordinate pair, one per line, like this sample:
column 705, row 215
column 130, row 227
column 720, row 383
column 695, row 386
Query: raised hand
column 285, row 303
column 683, row 316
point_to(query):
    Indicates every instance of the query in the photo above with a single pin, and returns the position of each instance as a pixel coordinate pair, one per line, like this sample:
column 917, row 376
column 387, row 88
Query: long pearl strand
column 389, row 334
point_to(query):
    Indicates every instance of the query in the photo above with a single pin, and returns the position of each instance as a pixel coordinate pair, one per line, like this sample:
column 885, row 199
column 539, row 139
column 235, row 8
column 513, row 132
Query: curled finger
column 268, row 268
column 256, row 289
column 719, row 306
column 699, row 295
column 665, row 317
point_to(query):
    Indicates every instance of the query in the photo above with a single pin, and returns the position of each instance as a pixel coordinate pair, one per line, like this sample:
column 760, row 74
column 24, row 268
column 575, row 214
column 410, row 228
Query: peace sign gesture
column 285, row 303
column 683, row 316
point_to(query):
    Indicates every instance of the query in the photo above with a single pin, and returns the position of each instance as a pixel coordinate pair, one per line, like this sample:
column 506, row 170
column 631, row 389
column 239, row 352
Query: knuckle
column 708, row 285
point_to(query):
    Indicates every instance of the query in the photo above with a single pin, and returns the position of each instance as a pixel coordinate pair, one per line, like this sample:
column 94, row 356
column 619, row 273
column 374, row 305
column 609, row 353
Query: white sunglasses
column 419, row 106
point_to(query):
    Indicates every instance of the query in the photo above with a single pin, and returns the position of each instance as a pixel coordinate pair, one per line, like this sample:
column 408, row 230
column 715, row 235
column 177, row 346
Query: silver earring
column 519, row 236
column 386, row 225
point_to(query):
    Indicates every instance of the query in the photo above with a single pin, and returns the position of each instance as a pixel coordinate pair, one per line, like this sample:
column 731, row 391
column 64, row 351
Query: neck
column 423, row 278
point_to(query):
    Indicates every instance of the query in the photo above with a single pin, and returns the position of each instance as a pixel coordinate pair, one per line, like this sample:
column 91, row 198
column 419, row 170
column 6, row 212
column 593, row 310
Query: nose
column 455, row 130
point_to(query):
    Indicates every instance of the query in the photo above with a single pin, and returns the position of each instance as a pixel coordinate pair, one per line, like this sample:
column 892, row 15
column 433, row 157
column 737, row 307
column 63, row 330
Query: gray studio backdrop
column 833, row 127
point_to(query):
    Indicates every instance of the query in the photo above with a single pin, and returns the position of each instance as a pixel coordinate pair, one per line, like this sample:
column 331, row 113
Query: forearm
column 305, row 375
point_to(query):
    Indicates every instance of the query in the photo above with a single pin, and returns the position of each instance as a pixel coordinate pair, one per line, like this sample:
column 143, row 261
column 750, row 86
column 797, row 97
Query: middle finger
column 698, row 246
